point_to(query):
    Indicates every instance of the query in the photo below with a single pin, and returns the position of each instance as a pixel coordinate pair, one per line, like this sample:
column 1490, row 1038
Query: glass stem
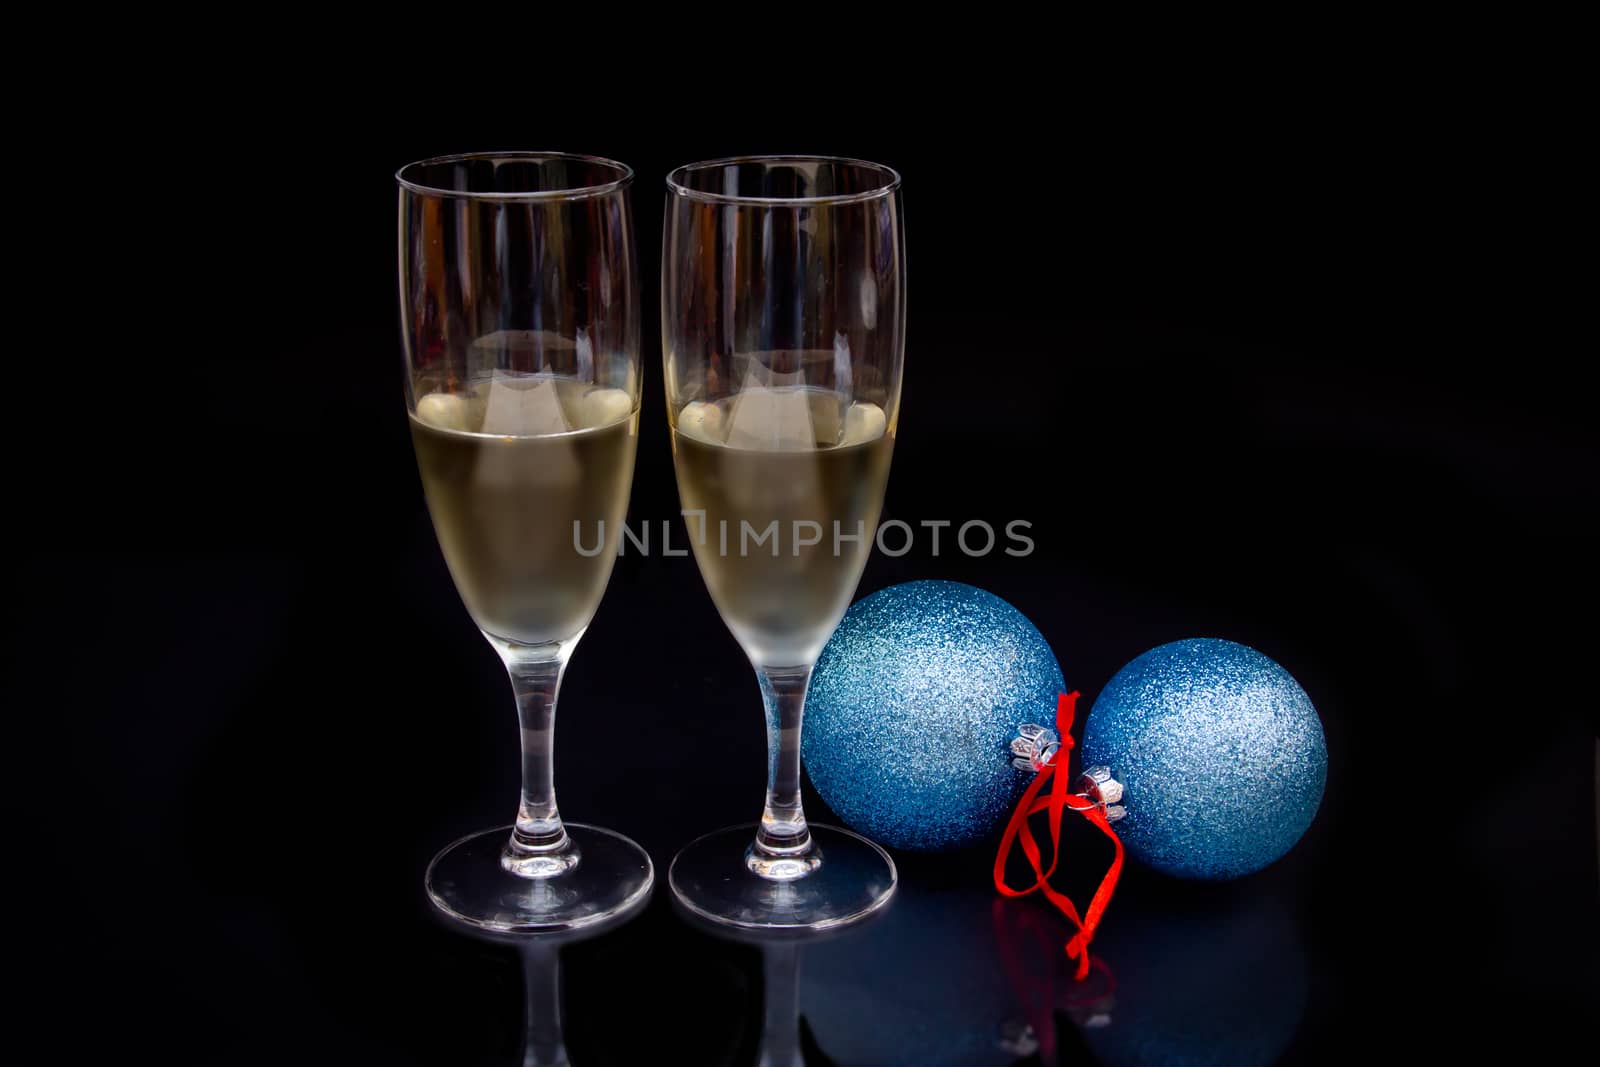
column 539, row 845
column 783, row 848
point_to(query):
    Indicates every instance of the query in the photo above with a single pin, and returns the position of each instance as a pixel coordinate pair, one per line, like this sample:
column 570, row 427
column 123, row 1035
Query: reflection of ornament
column 926, row 984
column 1220, row 754
column 1224, row 986
column 912, row 709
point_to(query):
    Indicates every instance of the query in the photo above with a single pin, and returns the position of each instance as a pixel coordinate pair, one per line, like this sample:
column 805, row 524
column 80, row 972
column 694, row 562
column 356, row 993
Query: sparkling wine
column 527, row 481
column 791, row 483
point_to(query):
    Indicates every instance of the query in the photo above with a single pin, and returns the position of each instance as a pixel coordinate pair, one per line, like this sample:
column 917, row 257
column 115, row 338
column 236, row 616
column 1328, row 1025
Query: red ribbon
column 1054, row 804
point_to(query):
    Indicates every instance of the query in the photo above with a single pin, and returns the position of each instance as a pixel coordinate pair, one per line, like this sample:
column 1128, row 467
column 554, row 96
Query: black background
column 1255, row 352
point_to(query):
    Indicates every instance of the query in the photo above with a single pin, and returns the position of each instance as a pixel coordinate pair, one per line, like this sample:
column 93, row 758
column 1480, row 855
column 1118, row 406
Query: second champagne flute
column 783, row 310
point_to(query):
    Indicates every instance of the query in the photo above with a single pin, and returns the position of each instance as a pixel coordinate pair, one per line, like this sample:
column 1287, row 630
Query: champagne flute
column 520, row 311
column 783, row 310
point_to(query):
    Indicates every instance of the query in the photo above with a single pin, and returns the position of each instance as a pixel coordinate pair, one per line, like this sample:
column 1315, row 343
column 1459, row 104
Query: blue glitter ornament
column 912, row 709
column 1220, row 755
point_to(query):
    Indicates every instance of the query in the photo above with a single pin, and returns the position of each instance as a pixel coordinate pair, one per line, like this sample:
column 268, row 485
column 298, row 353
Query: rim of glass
column 579, row 192
column 892, row 182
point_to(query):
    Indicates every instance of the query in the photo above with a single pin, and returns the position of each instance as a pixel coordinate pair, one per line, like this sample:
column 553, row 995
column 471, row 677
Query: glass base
column 712, row 879
column 468, row 882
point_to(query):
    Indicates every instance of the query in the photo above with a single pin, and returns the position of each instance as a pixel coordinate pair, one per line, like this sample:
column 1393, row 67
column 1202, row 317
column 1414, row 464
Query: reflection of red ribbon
column 1058, row 801
column 1037, row 1008
column 1036, row 990
column 1038, row 997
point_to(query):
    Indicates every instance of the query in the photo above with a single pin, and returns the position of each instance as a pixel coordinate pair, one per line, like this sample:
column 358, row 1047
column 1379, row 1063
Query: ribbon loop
column 1054, row 774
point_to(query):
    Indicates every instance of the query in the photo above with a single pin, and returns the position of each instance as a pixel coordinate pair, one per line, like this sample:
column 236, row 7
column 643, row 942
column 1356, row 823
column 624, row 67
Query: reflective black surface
column 1271, row 401
column 260, row 767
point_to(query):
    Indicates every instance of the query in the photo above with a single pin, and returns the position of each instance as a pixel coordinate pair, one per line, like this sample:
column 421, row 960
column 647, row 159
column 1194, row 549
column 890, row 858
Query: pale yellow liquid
column 782, row 608
column 504, row 503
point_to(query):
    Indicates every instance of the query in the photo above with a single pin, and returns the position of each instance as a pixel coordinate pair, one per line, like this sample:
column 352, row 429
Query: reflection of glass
column 780, row 1018
column 542, row 1045
column 783, row 304
column 542, row 1042
column 782, row 949
column 519, row 307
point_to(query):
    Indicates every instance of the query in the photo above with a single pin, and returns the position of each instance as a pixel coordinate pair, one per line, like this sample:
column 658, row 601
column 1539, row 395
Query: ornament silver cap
column 1036, row 747
column 1097, row 784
